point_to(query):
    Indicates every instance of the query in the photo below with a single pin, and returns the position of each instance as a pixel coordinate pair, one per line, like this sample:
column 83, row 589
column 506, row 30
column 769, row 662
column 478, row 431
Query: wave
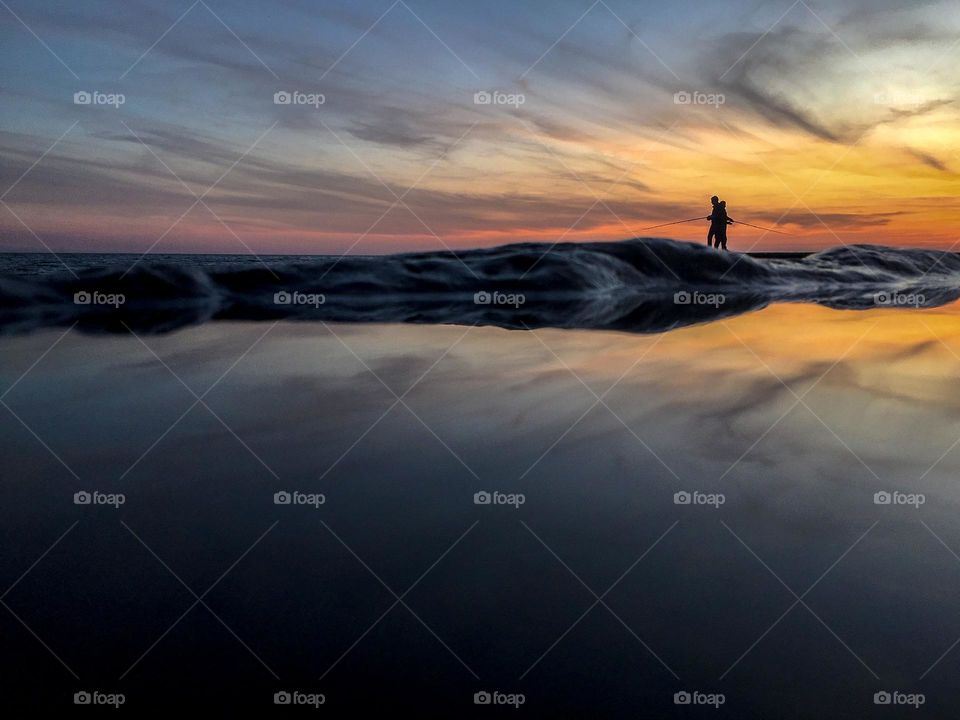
column 639, row 285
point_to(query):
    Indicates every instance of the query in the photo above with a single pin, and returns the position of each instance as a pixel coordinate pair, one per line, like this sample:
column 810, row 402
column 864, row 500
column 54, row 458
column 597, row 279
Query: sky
column 428, row 124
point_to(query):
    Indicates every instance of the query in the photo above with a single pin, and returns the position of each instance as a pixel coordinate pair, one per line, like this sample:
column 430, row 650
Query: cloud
column 928, row 159
column 779, row 76
column 385, row 131
column 280, row 195
column 836, row 220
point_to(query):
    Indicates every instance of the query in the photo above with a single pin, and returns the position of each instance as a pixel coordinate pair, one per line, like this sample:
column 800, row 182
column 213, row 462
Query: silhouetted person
column 723, row 220
column 717, row 237
column 714, row 224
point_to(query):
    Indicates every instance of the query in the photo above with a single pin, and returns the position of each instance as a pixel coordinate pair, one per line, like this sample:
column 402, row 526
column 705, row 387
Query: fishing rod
column 654, row 227
column 758, row 227
column 736, row 222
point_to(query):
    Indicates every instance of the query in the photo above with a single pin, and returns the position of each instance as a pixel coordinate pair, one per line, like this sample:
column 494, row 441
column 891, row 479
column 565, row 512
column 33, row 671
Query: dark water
column 493, row 597
column 642, row 285
column 47, row 263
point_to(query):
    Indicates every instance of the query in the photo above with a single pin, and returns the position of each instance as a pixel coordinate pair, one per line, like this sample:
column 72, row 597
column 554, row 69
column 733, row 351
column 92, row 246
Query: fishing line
column 735, row 222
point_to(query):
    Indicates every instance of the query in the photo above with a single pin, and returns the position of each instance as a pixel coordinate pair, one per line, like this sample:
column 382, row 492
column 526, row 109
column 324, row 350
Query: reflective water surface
column 787, row 584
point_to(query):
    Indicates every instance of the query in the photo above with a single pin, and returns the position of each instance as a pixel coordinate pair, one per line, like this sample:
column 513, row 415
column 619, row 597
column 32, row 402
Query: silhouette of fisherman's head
column 714, row 200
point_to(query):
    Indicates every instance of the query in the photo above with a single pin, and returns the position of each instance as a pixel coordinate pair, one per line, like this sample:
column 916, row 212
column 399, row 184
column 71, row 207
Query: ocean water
column 788, row 585
column 641, row 285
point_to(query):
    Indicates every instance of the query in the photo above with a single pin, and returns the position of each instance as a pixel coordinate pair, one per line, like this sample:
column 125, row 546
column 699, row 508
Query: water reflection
column 797, row 415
